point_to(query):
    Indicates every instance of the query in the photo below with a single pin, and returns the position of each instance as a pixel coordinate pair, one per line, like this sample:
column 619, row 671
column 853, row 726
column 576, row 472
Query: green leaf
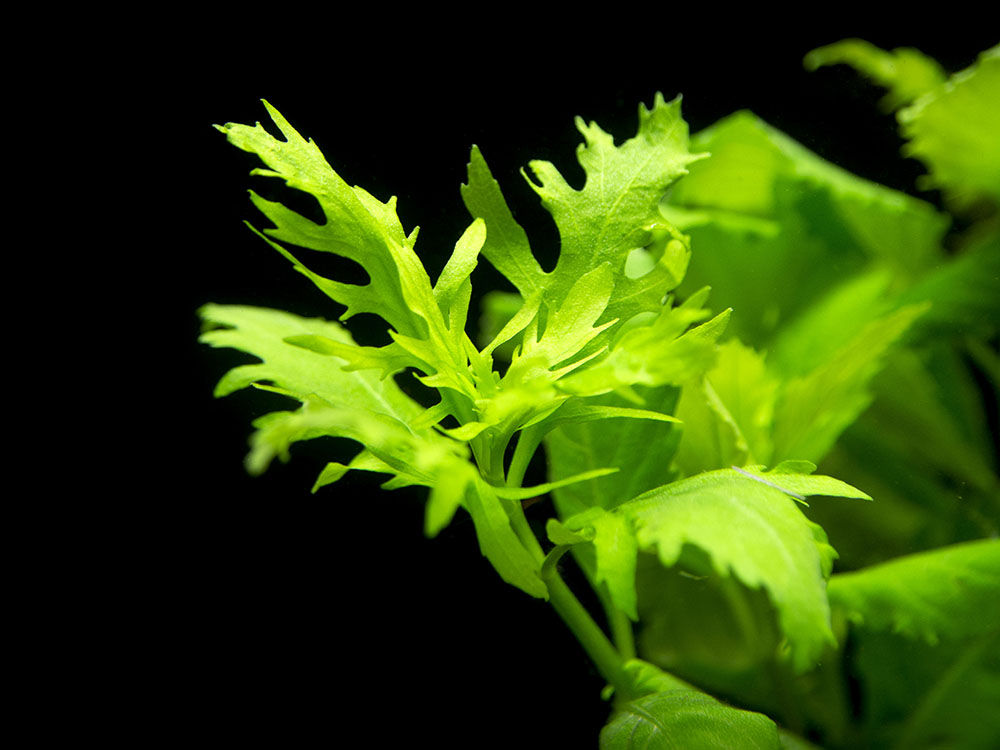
column 420, row 457
column 747, row 411
column 358, row 226
column 948, row 593
column 506, row 244
column 729, row 415
column 918, row 413
column 816, row 408
column 794, row 478
column 951, row 124
column 615, row 551
column 453, row 288
column 428, row 323
column 906, row 72
column 710, row 628
column 462, row 486
column 648, row 678
column 964, row 295
column 660, row 353
column 498, row 309
column 604, row 223
column 687, row 720
column 336, row 402
column 446, row 497
column 497, row 540
column 300, row 370
column 918, row 696
column 953, row 130
column 569, row 328
column 583, row 445
column 765, row 214
column 578, row 411
column 616, row 209
column 564, row 349
column 752, row 530
column 333, row 472
column 830, row 323
column 526, row 493
column 388, row 359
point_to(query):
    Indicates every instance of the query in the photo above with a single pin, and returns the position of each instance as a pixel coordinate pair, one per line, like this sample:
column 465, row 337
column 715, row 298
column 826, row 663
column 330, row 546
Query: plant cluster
column 848, row 326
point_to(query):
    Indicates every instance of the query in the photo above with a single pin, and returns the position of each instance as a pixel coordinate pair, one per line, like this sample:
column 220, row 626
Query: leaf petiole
column 602, row 653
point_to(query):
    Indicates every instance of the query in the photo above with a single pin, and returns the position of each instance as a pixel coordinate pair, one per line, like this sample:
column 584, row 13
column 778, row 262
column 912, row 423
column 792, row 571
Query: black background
column 252, row 609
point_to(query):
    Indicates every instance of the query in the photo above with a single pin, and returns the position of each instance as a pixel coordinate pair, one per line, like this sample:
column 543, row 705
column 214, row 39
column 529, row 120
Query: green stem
column 519, row 523
column 621, row 631
column 618, row 622
column 602, row 653
column 600, row 650
column 527, row 443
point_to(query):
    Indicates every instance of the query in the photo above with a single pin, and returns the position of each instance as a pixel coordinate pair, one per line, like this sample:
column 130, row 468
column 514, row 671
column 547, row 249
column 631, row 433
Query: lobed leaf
column 301, row 356
column 419, row 457
column 950, row 123
column 506, row 245
column 905, row 71
column 358, row 226
column 615, row 210
column 428, row 323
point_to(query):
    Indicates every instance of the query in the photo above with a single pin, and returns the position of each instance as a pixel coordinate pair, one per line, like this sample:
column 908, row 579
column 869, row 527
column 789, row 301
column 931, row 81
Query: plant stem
column 606, row 658
column 519, row 522
column 602, row 653
column 621, row 631
column 527, row 443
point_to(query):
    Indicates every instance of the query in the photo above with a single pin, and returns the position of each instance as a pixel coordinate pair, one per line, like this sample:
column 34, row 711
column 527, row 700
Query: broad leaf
column 751, row 529
column 686, row 720
column 920, row 697
column 745, row 410
column 953, row 130
column 948, row 593
column 814, row 409
column 774, row 227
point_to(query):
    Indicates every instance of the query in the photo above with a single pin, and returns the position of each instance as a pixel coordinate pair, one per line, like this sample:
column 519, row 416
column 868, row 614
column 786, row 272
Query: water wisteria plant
column 727, row 313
